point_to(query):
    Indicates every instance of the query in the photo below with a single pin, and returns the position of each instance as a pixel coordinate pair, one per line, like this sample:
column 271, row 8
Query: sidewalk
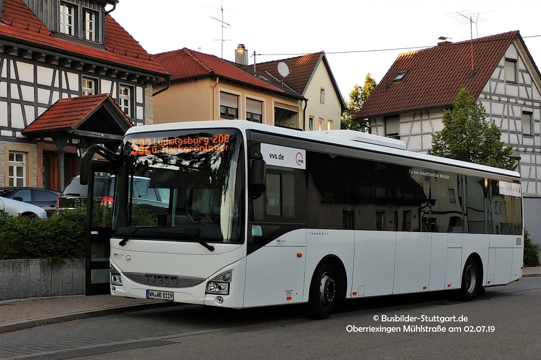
column 27, row 313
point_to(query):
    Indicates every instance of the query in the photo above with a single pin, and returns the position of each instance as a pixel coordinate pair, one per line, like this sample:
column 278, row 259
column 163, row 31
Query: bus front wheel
column 471, row 280
column 323, row 291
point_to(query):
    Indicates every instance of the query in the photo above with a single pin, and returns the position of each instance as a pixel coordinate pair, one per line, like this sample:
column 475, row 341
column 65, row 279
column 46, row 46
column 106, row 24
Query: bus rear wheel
column 324, row 291
column 471, row 280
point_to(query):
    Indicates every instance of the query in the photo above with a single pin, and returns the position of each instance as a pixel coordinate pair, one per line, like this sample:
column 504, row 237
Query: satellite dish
column 283, row 69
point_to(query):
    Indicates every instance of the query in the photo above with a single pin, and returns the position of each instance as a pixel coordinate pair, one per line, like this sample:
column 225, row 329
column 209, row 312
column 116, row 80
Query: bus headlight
column 116, row 278
column 220, row 284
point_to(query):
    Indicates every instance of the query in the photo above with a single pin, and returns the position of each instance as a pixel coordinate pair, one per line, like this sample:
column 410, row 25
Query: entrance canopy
column 92, row 118
column 80, row 121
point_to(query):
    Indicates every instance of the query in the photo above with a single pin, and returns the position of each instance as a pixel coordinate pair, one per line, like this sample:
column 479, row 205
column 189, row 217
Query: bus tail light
column 219, row 285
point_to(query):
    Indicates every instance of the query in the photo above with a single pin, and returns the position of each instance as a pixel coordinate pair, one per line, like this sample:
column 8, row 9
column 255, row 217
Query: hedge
column 531, row 251
column 60, row 236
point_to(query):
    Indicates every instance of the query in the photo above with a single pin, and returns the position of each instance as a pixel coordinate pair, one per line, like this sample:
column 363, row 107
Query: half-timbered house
column 497, row 70
column 55, row 50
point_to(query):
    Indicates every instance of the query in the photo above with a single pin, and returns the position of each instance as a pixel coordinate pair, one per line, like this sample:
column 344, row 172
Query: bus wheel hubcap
column 470, row 279
column 327, row 290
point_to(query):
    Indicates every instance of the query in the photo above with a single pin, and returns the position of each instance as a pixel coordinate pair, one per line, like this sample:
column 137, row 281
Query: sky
column 357, row 36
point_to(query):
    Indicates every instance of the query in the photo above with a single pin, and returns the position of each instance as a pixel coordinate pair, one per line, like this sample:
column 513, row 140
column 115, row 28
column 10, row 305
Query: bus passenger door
column 276, row 256
column 98, row 227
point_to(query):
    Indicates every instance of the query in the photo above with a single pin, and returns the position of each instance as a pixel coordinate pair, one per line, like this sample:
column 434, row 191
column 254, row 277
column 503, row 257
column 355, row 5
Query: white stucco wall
column 330, row 109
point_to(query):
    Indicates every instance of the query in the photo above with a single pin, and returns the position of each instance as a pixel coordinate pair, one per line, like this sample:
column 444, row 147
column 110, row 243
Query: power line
column 381, row 50
column 350, row 51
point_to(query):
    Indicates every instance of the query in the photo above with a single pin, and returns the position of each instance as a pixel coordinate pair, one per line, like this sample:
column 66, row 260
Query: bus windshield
column 195, row 178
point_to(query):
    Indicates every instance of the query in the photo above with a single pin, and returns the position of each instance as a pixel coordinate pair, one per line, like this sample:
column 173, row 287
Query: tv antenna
column 223, row 25
column 471, row 21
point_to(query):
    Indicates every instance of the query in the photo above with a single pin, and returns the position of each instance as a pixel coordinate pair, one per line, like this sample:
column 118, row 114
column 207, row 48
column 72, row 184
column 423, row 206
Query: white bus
column 255, row 215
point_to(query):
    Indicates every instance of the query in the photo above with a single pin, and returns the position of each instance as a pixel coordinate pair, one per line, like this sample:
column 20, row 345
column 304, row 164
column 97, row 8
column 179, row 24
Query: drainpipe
column 113, row 9
column 214, row 97
column 169, row 78
column 304, row 114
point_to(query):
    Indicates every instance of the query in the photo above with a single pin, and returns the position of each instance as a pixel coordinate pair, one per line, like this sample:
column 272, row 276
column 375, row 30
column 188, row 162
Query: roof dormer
column 73, row 20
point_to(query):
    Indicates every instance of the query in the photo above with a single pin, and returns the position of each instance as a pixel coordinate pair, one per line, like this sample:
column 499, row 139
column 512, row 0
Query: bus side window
column 280, row 194
column 288, row 195
column 272, row 195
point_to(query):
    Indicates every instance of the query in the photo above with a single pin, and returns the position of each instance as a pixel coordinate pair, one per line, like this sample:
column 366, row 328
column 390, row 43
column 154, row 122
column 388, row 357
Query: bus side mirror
column 256, row 185
column 86, row 159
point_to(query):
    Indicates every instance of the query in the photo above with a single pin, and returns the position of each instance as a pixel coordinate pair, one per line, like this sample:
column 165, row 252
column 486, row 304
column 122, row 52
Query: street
column 503, row 324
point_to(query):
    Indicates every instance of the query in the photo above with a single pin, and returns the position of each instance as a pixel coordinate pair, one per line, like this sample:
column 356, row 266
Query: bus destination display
column 180, row 145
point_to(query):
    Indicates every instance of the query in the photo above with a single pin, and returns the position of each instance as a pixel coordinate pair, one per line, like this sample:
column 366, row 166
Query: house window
column 311, row 123
column 322, row 96
column 78, row 21
column 329, row 125
column 89, row 25
column 17, row 169
column 320, row 125
column 511, row 70
column 392, row 126
column 527, row 123
column 67, row 19
column 254, row 110
column 400, row 76
column 229, row 106
column 88, row 86
column 125, row 99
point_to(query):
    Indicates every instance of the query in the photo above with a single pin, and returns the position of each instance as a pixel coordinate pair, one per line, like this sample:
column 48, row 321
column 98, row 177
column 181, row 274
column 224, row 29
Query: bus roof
column 345, row 138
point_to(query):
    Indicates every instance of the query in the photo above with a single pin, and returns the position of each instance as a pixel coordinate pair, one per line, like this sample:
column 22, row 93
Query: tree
column 469, row 137
column 352, row 107
column 357, row 98
column 368, row 88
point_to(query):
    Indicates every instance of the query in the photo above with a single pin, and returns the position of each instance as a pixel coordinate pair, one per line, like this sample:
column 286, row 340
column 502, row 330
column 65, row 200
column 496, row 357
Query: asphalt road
column 504, row 324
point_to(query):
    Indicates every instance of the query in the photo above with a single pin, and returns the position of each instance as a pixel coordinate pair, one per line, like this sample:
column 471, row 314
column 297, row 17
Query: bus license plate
column 160, row 295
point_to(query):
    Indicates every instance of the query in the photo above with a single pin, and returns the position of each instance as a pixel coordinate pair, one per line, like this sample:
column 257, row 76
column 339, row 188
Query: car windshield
column 102, row 187
column 197, row 178
column 5, row 192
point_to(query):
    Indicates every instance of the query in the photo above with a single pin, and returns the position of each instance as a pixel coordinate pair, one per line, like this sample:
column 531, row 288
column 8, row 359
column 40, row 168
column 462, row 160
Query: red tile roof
column 435, row 75
column 301, row 69
column 186, row 64
column 268, row 78
column 121, row 49
column 70, row 113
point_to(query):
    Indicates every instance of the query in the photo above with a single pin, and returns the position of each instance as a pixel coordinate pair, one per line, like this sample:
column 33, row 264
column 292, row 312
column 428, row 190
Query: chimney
column 241, row 55
column 442, row 41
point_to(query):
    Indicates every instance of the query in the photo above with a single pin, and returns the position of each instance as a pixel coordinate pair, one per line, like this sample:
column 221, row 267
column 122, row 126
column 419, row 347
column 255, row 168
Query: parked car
column 43, row 198
column 19, row 208
column 104, row 187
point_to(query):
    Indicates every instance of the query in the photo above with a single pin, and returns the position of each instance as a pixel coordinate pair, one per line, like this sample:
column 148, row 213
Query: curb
column 77, row 316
